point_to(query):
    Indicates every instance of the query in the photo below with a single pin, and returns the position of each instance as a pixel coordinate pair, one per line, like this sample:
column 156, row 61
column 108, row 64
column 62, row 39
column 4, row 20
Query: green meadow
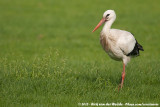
column 50, row 57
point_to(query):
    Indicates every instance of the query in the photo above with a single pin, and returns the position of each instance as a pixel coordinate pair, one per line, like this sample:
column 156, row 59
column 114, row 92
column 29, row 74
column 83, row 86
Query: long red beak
column 99, row 24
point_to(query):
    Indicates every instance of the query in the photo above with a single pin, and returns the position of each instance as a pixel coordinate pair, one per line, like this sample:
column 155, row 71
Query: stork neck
column 107, row 26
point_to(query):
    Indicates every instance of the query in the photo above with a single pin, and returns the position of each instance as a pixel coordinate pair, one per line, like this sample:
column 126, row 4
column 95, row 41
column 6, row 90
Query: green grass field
column 49, row 57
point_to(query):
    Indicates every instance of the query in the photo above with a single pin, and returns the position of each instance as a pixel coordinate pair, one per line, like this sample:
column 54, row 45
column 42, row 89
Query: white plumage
column 124, row 44
column 119, row 44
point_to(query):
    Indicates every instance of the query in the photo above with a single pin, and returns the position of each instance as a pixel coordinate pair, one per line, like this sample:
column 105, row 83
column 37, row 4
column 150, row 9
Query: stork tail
column 140, row 46
column 135, row 51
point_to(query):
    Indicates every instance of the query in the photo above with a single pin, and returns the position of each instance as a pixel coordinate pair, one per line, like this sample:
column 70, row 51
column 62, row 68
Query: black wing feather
column 135, row 51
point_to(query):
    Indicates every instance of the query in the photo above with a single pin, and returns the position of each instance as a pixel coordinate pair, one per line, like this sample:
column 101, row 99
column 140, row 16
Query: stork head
column 107, row 16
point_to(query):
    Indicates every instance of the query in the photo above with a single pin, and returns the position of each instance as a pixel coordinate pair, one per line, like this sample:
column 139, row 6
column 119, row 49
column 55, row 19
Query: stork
column 120, row 45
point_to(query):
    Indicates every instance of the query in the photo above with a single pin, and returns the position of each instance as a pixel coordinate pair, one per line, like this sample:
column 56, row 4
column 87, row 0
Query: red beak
column 99, row 24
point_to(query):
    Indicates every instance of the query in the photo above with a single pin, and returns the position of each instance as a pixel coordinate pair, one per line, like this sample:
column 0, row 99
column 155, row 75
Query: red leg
column 122, row 78
column 123, row 75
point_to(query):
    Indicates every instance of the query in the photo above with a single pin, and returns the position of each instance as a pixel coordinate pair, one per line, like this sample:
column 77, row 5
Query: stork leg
column 122, row 78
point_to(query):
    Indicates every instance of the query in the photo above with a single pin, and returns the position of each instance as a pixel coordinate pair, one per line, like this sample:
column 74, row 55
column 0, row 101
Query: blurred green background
column 49, row 56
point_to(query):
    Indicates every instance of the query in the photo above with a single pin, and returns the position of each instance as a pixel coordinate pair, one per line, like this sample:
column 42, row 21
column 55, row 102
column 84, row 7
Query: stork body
column 120, row 45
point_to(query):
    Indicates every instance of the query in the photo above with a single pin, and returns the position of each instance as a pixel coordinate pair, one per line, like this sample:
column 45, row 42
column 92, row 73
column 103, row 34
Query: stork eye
column 107, row 15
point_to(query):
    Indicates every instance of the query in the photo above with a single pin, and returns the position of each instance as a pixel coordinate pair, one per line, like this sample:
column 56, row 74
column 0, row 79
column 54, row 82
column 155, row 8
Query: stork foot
column 122, row 80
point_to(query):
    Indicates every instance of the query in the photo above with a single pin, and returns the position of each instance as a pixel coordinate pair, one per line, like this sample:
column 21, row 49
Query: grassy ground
column 49, row 57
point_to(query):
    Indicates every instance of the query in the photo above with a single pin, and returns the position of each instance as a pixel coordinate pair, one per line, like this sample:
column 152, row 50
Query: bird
column 120, row 45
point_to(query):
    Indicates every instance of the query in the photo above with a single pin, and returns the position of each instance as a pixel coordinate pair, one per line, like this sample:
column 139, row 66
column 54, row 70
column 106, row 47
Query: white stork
column 120, row 45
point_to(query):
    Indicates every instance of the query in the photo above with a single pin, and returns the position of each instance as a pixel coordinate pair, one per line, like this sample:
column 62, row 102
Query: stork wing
column 125, row 40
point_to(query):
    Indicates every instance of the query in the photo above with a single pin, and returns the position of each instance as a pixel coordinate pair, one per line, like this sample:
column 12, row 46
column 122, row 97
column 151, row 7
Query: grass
column 49, row 57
